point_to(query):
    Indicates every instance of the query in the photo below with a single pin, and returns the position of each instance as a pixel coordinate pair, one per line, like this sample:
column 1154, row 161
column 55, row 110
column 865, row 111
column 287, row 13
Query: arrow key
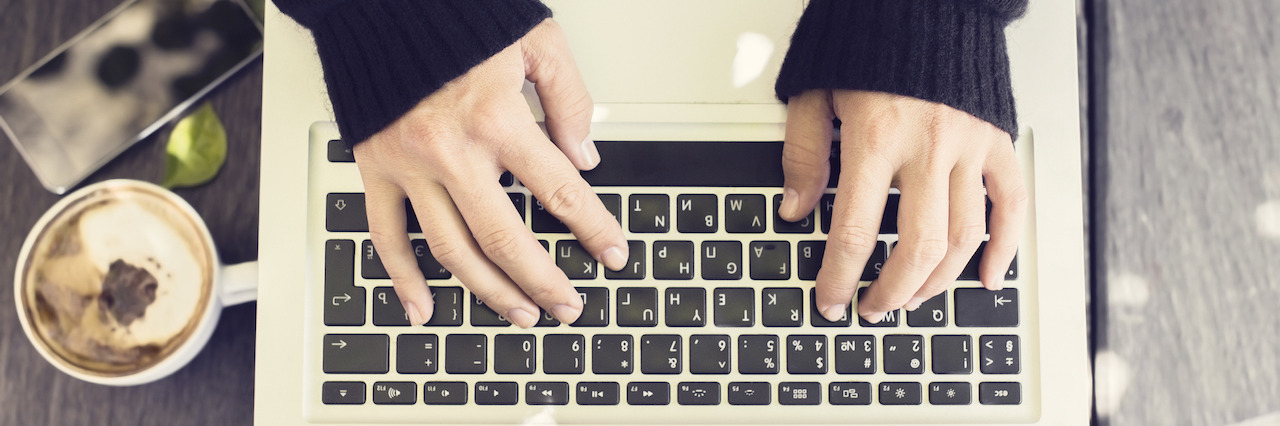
column 546, row 393
column 648, row 393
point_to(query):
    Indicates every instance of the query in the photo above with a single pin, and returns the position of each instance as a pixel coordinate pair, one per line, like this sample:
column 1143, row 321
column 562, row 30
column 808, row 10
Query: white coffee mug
column 104, row 258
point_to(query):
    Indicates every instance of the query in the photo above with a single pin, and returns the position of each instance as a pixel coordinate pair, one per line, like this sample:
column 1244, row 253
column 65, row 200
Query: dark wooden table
column 217, row 386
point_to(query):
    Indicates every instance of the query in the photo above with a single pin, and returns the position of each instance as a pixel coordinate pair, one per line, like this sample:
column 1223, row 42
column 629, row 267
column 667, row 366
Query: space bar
column 650, row 163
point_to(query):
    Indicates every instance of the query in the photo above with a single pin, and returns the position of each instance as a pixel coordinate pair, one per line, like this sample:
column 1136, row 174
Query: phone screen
column 120, row 80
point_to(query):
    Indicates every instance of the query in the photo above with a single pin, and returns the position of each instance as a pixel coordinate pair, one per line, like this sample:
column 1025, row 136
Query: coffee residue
column 127, row 290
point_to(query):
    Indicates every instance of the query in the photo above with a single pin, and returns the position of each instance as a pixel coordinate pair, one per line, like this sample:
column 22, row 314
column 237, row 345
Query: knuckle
column 501, row 245
column 966, row 238
column 854, row 239
column 1017, row 199
column 449, row 254
column 566, row 200
column 924, row 253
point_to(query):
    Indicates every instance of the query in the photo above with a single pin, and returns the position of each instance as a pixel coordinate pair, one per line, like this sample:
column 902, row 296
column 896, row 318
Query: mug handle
column 239, row 283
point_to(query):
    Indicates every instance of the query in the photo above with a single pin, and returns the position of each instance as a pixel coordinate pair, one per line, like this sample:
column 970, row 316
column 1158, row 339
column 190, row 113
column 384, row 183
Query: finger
column 1008, row 213
column 922, row 226
column 384, row 205
column 964, row 232
column 505, row 240
column 855, row 226
column 565, row 195
column 806, row 154
column 450, row 243
column 568, row 106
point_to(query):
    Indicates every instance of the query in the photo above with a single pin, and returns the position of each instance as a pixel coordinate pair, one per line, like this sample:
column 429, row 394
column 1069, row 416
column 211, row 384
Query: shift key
column 356, row 353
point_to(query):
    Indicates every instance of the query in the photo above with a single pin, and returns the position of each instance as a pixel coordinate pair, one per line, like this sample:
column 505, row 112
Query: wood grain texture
column 217, row 386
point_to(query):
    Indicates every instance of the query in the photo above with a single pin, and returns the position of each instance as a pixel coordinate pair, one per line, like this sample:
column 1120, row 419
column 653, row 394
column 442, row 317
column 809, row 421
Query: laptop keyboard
column 714, row 309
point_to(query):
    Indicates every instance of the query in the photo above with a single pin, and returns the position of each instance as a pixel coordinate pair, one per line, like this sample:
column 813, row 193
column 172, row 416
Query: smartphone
column 121, row 79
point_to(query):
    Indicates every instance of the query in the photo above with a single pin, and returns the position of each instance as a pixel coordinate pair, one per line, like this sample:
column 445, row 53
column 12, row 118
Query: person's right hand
column 446, row 154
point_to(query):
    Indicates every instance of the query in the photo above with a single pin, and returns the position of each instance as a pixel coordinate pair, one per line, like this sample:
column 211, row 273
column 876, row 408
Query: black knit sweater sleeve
column 946, row 51
column 381, row 57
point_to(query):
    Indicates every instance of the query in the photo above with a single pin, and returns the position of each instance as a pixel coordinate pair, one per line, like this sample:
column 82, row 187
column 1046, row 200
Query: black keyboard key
column 979, row 307
column 810, row 253
column 417, row 354
column 575, row 261
column 750, row 393
column 517, row 201
column 515, row 353
column 444, row 393
column 343, row 301
column 411, row 218
column 635, row 269
column 465, row 354
column 855, row 354
column 709, row 354
column 802, row 226
column 542, row 221
column 849, row 393
column 799, row 393
column 483, row 316
column 903, row 354
column 637, row 307
column 344, row 212
column 952, row 354
column 597, row 393
column 546, row 320
column 930, row 313
column 595, row 307
column 696, row 213
column 900, row 393
column 806, row 354
column 370, row 263
column 734, row 307
column 660, row 354
column 611, row 354
column 506, row 179
column 770, row 260
column 1000, row 393
column 448, row 310
column 888, row 222
column 397, row 393
column 744, row 213
column 430, row 267
column 758, row 354
column 546, row 393
column 342, row 393
column 950, row 393
column 826, row 207
column 890, row 318
column 356, row 353
column 648, row 393
column 612, row 203
column 387, row 310
column 648, row 213
column 673, row 260
column 782, row 307
column 817, row 320
column 686, row 307
column 698, row 393
column 497, row 393
column 564, row 354
column 970, row 272
column 339, row 152
column 721, row 260
column 1000, row 354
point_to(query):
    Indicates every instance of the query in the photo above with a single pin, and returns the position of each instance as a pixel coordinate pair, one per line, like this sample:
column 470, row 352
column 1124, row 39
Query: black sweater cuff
column 382, row 57
column 951, row 52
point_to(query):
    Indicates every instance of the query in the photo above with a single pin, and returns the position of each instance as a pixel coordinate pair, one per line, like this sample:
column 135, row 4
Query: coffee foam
column 68, row 268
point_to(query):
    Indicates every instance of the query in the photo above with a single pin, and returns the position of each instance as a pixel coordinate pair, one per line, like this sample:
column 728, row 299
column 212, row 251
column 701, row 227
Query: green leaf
column 196, row 150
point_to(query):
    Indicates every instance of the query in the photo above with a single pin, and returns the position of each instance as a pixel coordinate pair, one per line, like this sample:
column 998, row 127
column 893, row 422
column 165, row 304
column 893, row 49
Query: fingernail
column 415, row 316
column 874, row 317
column 521, row 317
column 790, row 203
column 614, row 259
column 565, row 313
column 914, row 303
column 590, row 155
column 835, row 313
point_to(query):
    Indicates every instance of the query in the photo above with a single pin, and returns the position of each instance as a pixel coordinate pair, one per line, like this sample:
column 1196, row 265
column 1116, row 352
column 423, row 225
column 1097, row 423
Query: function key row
column 660, row 393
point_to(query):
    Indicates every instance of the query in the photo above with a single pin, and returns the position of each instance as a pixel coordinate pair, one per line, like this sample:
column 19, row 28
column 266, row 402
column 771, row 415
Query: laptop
column 671, row 81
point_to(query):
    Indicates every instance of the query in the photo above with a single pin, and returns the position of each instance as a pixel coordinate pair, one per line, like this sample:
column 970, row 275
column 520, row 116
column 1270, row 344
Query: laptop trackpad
column 679, row 51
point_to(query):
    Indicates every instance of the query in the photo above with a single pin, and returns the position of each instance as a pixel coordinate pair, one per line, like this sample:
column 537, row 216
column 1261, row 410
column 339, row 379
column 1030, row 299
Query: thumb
column 550, row 67
column 806, row 153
